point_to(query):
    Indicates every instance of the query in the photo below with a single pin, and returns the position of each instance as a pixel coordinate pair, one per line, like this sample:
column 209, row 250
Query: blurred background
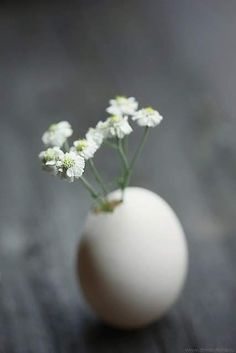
column 63, row 61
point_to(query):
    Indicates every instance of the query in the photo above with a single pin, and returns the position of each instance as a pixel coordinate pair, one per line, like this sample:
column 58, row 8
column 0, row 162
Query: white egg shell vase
column 132, row 263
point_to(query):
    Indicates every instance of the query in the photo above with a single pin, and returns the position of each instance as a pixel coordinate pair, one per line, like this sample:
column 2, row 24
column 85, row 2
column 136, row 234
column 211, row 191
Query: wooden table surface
column 63, row 61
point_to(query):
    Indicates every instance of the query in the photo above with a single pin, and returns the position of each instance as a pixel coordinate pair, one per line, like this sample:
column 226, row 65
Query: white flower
column 94, row 135
column 147, row 117
column 71, row 166
column 114, row 126
column 103, row 128
column 86, row 148
column 57, row 134
column 49, row 159
column 122, row 106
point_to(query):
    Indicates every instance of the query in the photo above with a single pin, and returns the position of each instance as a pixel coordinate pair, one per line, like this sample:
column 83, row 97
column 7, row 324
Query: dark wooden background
column 63, row 60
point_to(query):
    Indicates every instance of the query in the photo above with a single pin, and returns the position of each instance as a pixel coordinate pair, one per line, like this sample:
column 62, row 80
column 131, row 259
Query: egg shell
column 132, row 263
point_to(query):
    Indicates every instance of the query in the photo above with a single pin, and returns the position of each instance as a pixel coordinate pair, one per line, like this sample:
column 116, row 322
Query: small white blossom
column 103, row 128
column 57, row 134
column 49, row 159
column 115, row 126
column 86, row 148
column 122, row 106
column 94, row 135
column 71, row 166
column 147, row 117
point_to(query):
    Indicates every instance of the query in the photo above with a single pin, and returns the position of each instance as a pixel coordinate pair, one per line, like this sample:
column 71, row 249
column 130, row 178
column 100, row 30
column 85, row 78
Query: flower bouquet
column 132, row 258
column 68, row 162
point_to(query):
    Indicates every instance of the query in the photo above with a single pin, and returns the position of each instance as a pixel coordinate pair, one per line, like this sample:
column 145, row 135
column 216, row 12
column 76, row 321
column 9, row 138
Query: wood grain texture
column 63, row 61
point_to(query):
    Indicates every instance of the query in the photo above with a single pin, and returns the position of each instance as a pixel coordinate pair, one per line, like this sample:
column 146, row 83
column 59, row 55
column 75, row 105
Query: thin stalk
column 140, row 147
column 95, row 195
column 98, row 177
column 110, row 144
column 134, row 159
column 125, row 162
column 122, row 154
column 125, row 145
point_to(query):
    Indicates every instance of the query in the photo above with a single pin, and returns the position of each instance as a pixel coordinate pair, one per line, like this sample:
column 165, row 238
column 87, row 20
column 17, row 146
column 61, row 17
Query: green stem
column 125, row 145
column 90, row 188
column 140, row 147
column 129, row 172
column 122, row 154
column 125, row 162
column 110, row 144
column 98, row 177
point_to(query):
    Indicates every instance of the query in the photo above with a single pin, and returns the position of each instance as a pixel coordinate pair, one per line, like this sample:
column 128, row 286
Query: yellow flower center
column 68, row 162
column 149, row 110
column 115, row 119
column 120, row 99
column 81, row 145
column 52, row 128
column 49, row 155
